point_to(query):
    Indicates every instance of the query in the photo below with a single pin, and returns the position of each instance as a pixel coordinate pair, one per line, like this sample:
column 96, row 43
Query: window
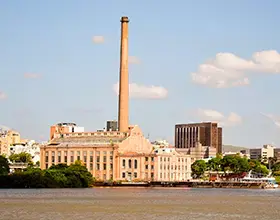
column 135, row 175
column 129, row 163
column 135, row 164
column 111, row 152
column 160, row 175
column 111, row 166
column 104, row 152
column 164, row 159
column 123, row 163
column 91, row 159
column 104, row 159
column 160, row 159
column 123, row 175
column 52, row 156
column 152, row 159
column 47, row 166
column 59, row 157
column 85, row 157
column 98, row 153
column 47, row 158
column 65, row 156
column 98, row 159
column 152, row 167
column 111, row 159
column 98, row 166
column 146, row 159
column 146, row 167
column 90, row 166
column 104, row 166
column 78, row 155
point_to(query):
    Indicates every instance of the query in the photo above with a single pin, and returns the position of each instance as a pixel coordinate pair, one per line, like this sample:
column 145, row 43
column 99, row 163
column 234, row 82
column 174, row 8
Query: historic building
column 119, row 154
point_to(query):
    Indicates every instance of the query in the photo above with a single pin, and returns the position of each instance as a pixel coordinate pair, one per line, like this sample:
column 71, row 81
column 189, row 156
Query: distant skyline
column 190, row 61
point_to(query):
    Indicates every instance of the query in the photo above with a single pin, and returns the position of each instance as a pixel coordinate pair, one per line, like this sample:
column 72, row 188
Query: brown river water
column 139, row 203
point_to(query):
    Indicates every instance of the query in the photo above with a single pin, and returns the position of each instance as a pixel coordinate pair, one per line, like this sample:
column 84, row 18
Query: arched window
column 135, row 164
column 123, row 163
column 129, row 163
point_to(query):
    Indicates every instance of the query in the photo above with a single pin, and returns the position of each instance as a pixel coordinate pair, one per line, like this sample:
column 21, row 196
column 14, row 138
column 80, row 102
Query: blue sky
column 53, row 71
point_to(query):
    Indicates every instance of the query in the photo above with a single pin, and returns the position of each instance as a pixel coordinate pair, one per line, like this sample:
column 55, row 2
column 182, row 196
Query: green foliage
column 22, row 157
column 234, row 164
column 4, row 166
column 57, row 176
column 198, row 168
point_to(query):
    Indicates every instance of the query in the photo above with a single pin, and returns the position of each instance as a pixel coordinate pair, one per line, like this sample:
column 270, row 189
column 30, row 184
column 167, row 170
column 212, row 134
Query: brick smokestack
column 123, row 81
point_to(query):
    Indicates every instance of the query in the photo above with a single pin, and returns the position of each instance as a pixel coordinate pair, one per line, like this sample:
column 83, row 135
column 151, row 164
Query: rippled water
column 139, row 203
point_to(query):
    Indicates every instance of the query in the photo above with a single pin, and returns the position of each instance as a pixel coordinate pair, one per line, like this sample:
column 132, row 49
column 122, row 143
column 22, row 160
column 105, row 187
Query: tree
column 4, row 166
column 22, row 157
column 198, row 168
column 214, row 164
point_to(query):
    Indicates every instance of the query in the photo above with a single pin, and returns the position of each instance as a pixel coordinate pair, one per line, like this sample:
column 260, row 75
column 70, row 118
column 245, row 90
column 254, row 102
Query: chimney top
column 124, row 19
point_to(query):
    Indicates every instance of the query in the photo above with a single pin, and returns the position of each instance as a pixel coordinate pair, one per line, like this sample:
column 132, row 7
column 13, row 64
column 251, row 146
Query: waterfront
column 139, row 203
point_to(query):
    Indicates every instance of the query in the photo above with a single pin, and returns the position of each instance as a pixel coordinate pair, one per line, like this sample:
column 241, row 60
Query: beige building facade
column 114, row 155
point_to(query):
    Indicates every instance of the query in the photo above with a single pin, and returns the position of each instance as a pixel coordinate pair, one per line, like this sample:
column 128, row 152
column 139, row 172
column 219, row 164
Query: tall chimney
column 123, row 81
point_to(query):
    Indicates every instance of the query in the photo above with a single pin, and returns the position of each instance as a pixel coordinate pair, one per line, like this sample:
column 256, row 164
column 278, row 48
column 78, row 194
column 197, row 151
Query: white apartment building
column 173, row 166
column 263, row 153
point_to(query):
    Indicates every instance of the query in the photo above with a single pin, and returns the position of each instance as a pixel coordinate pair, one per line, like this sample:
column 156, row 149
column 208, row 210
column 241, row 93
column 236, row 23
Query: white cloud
column 144, row 92
column 2, row 95
column 275, row 119
column 232, row 119
column 32, row 75
column 134, row 60
column 98, row 39
column 228, row 70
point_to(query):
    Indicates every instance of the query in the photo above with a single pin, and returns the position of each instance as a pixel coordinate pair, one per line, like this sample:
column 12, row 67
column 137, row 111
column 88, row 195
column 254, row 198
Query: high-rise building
column 112, row 126
column 207, row 134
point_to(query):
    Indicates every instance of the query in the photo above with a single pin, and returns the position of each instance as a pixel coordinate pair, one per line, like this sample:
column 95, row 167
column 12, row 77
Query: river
column 139, row 203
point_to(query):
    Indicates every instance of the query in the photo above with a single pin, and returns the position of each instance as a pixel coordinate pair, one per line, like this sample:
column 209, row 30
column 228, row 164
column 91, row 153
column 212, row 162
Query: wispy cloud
column 137, row 91
column 228, row 70
column 232, row 119
column 274, row 118
column 134, row 60
column 98, row 39
column 3, row 95
column 32, row 76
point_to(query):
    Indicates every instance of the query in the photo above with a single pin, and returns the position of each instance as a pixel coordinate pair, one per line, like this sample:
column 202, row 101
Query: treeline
column 57, row 176
column 234, row 164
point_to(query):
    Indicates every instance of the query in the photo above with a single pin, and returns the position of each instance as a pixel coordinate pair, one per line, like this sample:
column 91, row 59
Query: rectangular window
column 47, row 166
column 152, row 167
column 123, row 163
column 135, row 175
column 59, row 157
column 47, row 159
column 111, row 152
column 152, row 159
column 72, row 159
column 104, row 159
column 98, row 159
column 65, row 156
column 129, row 163
column 111, row 159
column 98, row 166
column 123, row 175
column 91, row 159
column 111, row 166
column 146, row 167
column 146, row 159
column 104, row 166
column 91, row 166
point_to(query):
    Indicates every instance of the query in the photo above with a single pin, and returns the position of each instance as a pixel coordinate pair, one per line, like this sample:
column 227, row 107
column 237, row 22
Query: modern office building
column 263, row 154
column 207, row 134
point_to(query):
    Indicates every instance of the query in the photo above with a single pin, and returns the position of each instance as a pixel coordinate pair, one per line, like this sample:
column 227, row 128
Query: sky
column 190, row 61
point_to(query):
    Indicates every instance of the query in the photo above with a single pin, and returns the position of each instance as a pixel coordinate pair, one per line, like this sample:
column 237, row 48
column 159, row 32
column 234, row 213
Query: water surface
column 139, row 203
